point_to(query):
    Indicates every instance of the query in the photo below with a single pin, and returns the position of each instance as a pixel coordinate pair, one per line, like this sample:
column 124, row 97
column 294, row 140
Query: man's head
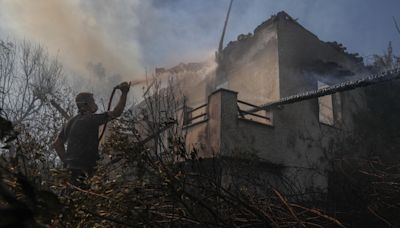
column 86, row 103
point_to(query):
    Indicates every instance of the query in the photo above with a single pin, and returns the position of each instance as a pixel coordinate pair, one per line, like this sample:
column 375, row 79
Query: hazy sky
column 119, row 39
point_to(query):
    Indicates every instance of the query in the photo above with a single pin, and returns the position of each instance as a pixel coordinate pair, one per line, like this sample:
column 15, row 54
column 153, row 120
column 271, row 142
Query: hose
column 108, row 109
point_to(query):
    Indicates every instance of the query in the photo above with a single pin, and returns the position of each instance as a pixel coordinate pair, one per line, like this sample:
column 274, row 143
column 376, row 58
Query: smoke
column 103, row 41
column 98, row 70
column 89, row 37
column 174, row 31
column 191, row 79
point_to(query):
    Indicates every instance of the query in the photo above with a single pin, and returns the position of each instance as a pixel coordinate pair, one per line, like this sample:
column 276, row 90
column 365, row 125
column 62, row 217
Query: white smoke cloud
column 128, row 36
column 79, row 33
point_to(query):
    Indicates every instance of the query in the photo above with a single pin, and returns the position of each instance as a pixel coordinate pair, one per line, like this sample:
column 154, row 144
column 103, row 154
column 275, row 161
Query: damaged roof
column 344, row 86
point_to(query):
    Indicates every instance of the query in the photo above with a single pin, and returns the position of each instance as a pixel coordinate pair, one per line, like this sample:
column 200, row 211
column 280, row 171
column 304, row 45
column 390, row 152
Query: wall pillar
column 222, row 118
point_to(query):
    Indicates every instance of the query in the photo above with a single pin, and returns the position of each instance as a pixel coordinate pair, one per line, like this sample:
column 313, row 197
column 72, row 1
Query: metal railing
column 195, row 115
column 253, row 116
column 389, row 75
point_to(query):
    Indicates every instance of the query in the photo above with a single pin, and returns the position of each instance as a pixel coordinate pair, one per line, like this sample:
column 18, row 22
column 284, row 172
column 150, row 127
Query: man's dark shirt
column 82, row 134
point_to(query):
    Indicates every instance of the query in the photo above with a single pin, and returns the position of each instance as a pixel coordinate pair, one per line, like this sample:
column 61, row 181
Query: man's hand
column 119, row 108
column 124, row 87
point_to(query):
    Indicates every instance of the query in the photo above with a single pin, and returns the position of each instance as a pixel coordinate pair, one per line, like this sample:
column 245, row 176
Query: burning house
column 280, row 95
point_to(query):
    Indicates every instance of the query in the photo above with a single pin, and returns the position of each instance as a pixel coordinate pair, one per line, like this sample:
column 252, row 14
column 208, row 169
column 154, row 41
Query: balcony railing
column 261, row 116
column 195, row 115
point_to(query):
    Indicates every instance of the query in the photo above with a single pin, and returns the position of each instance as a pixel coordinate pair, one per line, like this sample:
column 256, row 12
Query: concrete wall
column 251, row 67
column 279, row 60
column 197, row 137
column 228, row 135
column 301, row 53
column 207, row 134
column 304, row 59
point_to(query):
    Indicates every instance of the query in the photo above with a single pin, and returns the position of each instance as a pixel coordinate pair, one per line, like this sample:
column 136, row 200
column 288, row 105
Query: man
column 82, row 134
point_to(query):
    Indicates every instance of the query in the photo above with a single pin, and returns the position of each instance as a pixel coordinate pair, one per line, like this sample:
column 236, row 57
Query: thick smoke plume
column 83, row 34
column 102, row 43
